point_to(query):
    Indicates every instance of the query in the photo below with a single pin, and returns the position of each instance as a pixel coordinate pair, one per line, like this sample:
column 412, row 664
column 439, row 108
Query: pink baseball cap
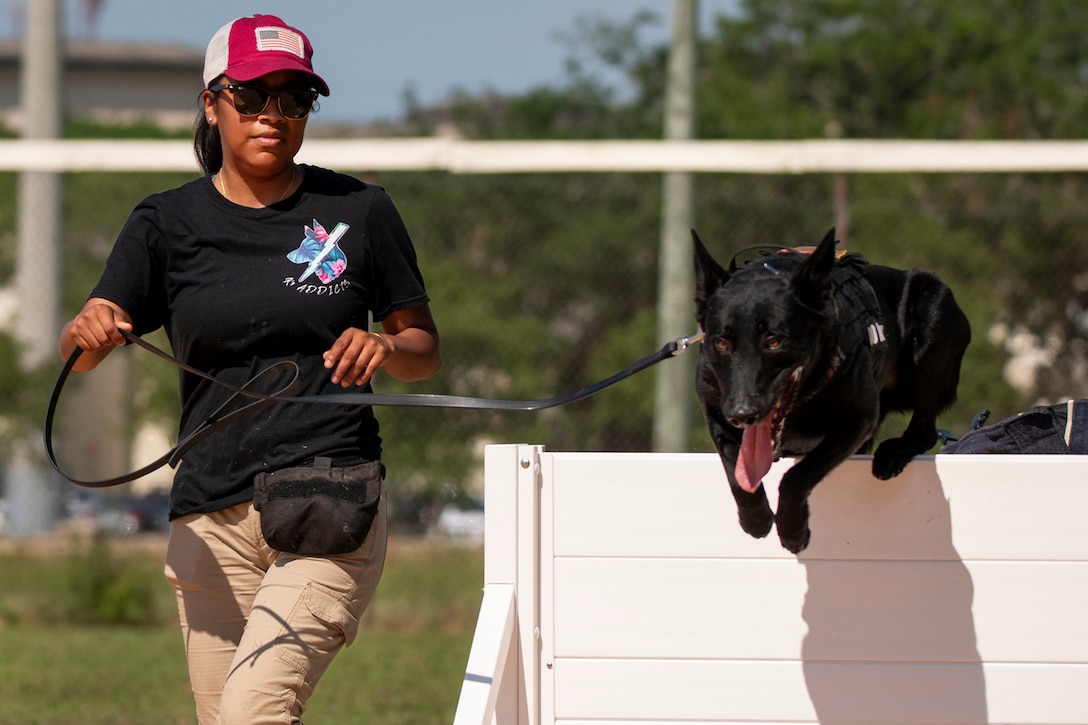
column 247, row 48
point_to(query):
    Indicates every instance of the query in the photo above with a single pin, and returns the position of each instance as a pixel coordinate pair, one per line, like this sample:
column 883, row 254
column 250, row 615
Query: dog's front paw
column 795, row 544
column 793, row 529
column 756, row 522
column 892, row 456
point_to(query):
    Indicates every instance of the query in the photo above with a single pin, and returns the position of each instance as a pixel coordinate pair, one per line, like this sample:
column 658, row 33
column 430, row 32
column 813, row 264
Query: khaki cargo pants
column 262, row 626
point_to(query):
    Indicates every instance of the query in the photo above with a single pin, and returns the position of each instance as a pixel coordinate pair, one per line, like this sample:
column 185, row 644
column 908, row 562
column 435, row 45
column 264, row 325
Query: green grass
column 405, row 667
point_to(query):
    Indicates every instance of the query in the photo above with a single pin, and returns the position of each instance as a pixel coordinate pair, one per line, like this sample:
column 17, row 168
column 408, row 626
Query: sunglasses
column 251, row 101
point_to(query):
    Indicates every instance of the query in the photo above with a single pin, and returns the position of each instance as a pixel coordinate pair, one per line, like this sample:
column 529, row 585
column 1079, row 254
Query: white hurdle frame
column 619, row 590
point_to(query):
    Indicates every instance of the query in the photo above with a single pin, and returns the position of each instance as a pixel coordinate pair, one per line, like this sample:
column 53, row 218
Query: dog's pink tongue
column 756, row 454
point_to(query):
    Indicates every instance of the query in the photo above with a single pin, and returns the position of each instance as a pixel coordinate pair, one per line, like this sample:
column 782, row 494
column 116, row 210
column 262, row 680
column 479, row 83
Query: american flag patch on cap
column 272, row 38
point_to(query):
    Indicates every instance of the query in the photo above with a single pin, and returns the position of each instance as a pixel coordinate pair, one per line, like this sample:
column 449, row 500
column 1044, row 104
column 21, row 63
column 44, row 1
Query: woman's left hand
column 409, row 333
column 356, row 356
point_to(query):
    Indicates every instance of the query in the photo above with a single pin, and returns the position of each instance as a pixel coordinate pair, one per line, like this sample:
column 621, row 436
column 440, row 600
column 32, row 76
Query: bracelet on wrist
column 381, row 338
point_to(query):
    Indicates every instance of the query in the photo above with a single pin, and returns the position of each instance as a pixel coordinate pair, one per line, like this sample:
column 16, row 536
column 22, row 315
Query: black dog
column 803, row 356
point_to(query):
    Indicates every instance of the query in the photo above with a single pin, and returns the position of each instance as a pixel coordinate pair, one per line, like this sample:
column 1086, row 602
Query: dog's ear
column 813, row 281
column 709, row 276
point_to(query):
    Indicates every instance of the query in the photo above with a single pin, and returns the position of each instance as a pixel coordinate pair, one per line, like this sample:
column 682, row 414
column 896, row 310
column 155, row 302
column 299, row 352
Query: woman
column 264, row 260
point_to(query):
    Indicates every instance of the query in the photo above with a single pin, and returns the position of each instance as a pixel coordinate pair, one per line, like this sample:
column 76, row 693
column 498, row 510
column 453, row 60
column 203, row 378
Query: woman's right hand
column 97, row 330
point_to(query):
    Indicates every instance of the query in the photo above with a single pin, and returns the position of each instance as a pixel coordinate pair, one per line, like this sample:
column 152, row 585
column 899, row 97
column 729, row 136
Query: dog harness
column 855, row 317
column 858, row 316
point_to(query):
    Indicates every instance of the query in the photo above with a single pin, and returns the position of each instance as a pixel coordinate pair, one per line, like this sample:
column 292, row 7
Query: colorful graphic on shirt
column 320, row 253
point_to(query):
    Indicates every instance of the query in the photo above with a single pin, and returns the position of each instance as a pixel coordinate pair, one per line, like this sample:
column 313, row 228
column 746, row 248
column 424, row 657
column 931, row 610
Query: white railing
column 619, row 589
column 459, row 156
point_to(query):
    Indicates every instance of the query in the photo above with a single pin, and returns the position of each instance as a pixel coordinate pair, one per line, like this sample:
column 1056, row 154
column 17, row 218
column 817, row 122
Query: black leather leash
column 246, row 400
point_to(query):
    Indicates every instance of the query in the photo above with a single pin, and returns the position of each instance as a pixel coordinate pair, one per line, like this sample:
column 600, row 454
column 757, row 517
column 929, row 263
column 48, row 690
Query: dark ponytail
column 207, row 145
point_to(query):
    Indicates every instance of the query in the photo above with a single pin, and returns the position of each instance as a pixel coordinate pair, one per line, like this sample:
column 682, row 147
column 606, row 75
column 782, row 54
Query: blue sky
column 371, row 52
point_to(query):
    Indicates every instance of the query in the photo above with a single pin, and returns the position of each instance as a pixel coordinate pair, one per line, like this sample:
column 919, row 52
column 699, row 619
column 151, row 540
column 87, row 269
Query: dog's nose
column 742, row 417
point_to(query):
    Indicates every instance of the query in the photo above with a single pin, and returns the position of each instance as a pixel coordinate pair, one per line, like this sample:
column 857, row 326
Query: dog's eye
column 722, row 345
column 772, row 342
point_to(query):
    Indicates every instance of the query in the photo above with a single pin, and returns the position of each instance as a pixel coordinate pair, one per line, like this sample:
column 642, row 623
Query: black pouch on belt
column 318, row 510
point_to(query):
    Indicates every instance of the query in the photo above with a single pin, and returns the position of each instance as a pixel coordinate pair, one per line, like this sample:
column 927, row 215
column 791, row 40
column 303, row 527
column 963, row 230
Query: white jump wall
column 955, row 593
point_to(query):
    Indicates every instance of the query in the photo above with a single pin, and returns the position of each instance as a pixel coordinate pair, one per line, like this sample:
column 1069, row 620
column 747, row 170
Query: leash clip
column 683, row 343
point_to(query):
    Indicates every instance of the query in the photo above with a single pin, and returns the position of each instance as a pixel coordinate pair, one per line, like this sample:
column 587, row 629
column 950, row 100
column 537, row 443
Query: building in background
column 115, row 83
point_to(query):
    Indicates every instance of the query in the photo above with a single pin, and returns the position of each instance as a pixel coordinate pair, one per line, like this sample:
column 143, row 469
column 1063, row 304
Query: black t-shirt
column 238, row 289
